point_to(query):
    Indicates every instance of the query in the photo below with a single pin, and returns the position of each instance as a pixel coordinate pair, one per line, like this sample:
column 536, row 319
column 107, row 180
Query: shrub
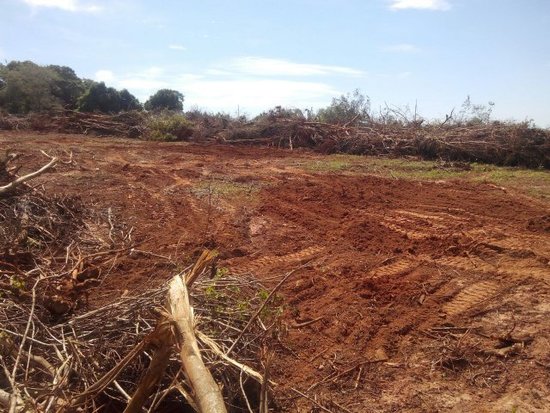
column 169, row 127
column 353, row 108
column 165, row 99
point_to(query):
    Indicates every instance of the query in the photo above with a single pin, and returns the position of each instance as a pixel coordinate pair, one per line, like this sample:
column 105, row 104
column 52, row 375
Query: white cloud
column 218, row 72
column 255, row 95
column 402, row 48
column 260, row 66
column 143, row 83
column 420, row 4
column 104, row 76
column 222, row 90
column 177, row 47
column 67, row 5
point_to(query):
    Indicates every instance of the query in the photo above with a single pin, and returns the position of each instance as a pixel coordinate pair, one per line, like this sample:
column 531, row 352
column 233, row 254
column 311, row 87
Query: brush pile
column 125, row 124
column 504, row 144
column 59, row 355
column 495, row 143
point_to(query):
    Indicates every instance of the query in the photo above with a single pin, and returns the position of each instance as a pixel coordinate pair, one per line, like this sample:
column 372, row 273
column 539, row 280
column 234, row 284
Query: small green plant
column 221, row 272
column 263, row 294
column 273, row 309
column 169, row 127
column 17, row 283
column 212, row 293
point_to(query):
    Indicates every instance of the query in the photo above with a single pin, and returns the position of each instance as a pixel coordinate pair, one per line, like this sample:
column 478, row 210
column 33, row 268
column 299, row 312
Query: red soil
column 410, row 296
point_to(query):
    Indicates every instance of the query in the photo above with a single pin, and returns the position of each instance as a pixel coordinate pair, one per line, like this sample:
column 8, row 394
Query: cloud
column 104, row 76
column 223, row 90
column 177, row 47
column 67, row 5
column 255, row 95
column 260, row 66
column 402, row 48
column 420, row 4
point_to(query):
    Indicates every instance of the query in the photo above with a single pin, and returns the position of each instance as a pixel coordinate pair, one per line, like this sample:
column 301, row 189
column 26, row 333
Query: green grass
column 532, row 182
column 333, row 164
column 225, row 189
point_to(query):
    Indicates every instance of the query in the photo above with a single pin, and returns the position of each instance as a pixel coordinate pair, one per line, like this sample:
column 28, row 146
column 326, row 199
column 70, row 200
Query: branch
column 6, row 188
column 206, row 391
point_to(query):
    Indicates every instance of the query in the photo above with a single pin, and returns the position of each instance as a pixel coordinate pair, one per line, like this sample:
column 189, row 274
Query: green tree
column 100, row 98
column 67, row 87
column 352, row 108
column 165, row 99
column 27, row 87
column 128, row 101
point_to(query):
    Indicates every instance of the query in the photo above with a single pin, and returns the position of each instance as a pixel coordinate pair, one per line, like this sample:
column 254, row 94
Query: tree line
column 28, row 87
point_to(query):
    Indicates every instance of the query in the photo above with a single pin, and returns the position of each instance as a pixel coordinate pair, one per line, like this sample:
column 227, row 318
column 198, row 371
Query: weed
column 221, row 272
column 169, row 127
column 17, row 283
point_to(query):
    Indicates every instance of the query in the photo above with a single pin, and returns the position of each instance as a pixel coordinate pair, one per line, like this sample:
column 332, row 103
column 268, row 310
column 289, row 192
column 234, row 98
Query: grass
column 333, row 164
column 532, row 182
column 225, row 189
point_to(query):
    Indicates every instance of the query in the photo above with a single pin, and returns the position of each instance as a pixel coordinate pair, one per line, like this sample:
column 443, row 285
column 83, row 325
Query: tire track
column 269, row 263
column 472, row 296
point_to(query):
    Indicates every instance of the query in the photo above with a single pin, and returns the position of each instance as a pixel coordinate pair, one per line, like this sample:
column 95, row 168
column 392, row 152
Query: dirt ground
column 408, row 295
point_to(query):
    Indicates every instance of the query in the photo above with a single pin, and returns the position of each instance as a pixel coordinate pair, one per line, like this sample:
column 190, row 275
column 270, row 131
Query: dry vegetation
column 505, row 144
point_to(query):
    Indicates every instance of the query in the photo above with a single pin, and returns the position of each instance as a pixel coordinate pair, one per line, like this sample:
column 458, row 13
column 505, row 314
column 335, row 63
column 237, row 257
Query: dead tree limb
column 206, row 391
column 163, row 348
column 12, row 185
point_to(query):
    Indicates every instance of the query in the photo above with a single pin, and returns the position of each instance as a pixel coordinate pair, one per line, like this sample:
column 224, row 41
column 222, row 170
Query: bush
column 352, row 109
column 169, row 127
column 165, row 99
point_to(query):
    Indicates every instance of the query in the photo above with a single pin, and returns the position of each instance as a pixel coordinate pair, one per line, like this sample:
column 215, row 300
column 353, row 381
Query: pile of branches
column 496, row 143
column 146, row 351
column 125, row 124
column 128, row 124
column 131, row 354
column 504, row 144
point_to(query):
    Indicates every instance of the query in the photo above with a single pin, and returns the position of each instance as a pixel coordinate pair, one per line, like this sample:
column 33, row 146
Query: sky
column 246, row 56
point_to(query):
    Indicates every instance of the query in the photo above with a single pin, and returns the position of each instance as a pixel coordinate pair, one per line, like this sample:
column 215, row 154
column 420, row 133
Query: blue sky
column 257, row 54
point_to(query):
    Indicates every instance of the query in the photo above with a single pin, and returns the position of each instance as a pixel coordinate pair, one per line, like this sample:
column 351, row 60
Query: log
column 207, row 394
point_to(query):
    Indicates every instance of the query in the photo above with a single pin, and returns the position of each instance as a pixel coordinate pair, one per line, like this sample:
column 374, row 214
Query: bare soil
column 409, row 296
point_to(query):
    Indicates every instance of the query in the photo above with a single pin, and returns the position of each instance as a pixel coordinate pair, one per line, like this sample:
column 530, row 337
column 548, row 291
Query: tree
column 351, row 108
column 27, row 87
column 67, row 87
column 100, row 98
column 128, row 101
column 165, row 99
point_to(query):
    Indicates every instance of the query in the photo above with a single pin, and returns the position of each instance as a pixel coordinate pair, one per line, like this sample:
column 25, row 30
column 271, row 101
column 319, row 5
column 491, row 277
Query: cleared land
column 420, row 286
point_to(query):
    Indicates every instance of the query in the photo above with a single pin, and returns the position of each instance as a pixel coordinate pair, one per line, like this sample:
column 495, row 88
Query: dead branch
column 207, row 393
column 12, row 185
column 156, row 369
